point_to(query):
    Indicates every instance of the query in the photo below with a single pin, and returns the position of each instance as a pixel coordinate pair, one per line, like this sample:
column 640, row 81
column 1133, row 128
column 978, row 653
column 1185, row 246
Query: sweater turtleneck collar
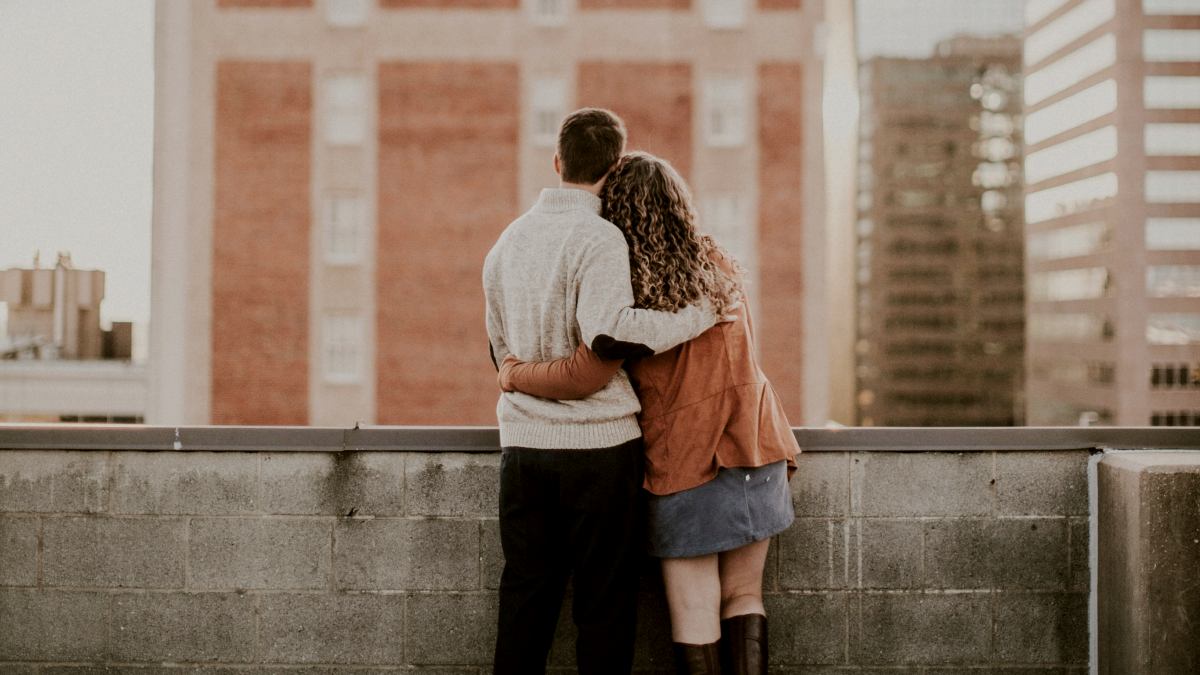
column 560, row 199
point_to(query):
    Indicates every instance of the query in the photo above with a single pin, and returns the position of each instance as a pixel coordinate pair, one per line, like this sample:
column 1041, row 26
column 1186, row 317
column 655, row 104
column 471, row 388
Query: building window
column 1173, row 329
column 1090, row 148
column 1173, row 281
column 1171, row 92
column 345, row 109
column 1071, row 112
column 1173, row 187
column 547, row 12
column 1175, row 376
column 1069, row 198
column 342, row 349
column 1175, row 418
column 724, row 13
column 723, row 216
column 1171, row 45
column 1057, row 34
column 1173, row 234
column 347, row 13
column 1170, row 7
column 1079, row 284
column 1069, row 327
column 1173, row 139
column 548, row 106
column 1071, row 69
column 725, row 111
column 1069, row 242
column 343, row 227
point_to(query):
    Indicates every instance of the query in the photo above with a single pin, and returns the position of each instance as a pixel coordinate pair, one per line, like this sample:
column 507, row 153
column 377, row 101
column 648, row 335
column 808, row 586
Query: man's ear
column 557, row 164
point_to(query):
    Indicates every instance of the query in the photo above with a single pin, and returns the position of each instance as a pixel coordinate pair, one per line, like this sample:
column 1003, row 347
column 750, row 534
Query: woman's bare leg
column 741, row 574
column 694, row 598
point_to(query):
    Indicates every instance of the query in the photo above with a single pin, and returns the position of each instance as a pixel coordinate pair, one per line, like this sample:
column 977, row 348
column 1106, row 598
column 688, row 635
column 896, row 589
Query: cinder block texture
column 240, row 553
column 53, row 482
column 996, row 553
column 918, row 628
column 891, row 484
column 450, row 484
column 161, row 483
column 820, row 486
column 1042, row 483
column 807, row 628
column 187, row 627
column 336, row 484
column 331, row 628
column 805, row 555
column 491, row 554
column 1042, row 628
column 897, row 562
column 51, row 625
column 451, row 629
column 404, row 554
column 18, row 550
column 132, row 552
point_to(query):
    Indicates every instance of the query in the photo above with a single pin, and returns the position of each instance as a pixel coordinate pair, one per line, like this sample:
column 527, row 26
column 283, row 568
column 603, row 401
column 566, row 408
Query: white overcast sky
column 76, row 139
column 911, row 28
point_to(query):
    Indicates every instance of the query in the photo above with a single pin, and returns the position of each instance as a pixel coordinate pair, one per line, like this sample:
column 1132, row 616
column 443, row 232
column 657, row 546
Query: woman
column 719, row 450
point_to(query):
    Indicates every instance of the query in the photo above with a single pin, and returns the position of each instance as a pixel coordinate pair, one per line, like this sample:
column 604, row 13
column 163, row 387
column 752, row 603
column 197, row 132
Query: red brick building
column 330, row 173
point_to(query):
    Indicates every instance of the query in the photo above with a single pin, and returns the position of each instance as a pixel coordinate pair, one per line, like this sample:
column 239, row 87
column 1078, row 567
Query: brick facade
column 780, row 212
column 654, row 99
column 261, row 221
column 447, row 188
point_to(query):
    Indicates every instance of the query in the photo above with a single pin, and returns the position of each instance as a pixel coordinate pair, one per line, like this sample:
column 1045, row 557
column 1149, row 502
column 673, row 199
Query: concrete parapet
column 382, row 560
column 1149, row 563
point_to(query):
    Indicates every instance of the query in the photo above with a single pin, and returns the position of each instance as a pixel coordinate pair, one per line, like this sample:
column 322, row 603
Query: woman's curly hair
column 670, row 263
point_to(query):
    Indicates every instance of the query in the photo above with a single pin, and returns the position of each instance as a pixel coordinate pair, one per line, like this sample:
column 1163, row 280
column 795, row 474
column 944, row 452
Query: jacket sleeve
column 610, row 324
column 577, row 376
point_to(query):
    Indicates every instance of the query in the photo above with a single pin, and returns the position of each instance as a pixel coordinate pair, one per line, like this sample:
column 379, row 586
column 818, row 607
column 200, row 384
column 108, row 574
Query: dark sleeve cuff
column 607, row 348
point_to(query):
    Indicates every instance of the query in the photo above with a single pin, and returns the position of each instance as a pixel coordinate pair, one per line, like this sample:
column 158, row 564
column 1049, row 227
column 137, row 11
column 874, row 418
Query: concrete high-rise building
column 329, row 175
column 1112, row 166
column 54, row 313
column 57, row 364
column 940, row 304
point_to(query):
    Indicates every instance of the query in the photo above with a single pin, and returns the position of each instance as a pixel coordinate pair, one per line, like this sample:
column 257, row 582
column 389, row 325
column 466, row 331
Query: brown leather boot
column 696, row 659
column 744, row 645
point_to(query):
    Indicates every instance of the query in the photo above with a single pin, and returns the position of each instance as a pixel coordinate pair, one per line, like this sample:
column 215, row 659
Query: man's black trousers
column 570, row 514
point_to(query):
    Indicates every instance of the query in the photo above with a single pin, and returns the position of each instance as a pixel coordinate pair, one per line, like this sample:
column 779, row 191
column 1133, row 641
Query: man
column 571, row 471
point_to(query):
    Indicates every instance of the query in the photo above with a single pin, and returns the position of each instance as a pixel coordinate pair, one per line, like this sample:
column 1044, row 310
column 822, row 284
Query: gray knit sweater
column 558, row 276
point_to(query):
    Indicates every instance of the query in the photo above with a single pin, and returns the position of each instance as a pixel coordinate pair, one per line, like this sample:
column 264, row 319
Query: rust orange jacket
column 706, row 404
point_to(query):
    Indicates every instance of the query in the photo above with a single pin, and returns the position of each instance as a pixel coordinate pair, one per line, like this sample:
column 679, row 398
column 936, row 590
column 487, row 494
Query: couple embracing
column 635, row 418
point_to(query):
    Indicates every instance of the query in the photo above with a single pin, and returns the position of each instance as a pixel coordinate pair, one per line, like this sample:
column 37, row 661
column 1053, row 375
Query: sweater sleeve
column 497, row 347
column 610, row 324
column 577, row 376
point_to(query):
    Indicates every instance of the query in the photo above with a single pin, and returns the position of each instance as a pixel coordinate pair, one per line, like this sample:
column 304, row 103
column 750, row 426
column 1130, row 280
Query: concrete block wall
column 130, row 561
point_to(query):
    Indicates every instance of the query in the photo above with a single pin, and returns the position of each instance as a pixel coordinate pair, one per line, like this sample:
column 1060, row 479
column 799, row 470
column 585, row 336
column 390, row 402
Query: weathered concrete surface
column 1149, row 568
column 324, row 562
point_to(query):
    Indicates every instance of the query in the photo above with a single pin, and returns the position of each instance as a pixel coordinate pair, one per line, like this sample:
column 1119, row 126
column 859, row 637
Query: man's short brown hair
column 590, row 142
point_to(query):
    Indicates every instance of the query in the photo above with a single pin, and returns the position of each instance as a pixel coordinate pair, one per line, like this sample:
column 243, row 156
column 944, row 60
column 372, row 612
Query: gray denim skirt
column 739, row 506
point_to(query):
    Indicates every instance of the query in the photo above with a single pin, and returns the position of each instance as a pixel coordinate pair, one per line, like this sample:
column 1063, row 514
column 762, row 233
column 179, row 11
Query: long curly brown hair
column 671, row 264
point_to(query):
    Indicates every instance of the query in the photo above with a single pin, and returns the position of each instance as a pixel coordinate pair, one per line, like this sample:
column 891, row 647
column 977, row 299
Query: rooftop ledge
column 487, row 439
